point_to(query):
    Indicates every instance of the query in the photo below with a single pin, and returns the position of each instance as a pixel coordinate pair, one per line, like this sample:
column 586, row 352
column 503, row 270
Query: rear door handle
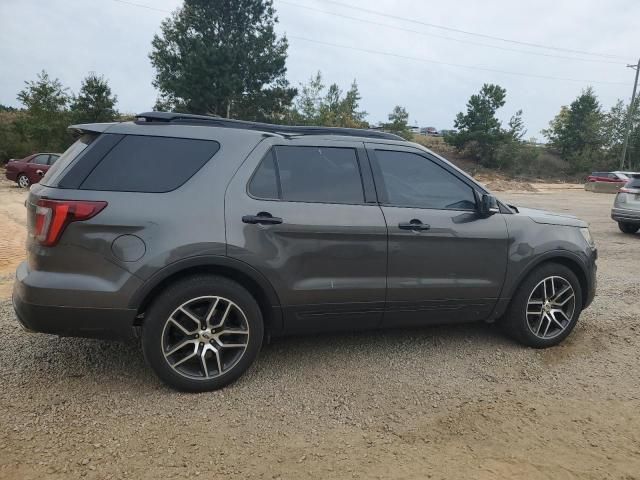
column 263, row 218
column 415, row 225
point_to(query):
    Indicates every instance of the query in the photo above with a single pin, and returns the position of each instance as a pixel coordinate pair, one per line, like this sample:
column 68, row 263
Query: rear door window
column 40, row 159
column 309, row 174
column 150, row 164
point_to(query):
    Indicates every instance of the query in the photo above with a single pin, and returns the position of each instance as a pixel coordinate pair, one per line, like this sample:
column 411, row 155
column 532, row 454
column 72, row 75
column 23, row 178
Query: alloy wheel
column 205, row 337
column 23, row 181
column 550, row 307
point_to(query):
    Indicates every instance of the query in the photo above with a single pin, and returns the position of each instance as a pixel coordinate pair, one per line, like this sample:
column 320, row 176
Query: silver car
column 626, row 207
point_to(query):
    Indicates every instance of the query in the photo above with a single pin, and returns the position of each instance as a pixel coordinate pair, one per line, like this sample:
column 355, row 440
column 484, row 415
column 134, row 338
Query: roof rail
column 188, row 119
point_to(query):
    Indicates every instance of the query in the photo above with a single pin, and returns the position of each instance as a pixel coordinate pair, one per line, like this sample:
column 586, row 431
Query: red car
column 31, row 169
column 610, row 177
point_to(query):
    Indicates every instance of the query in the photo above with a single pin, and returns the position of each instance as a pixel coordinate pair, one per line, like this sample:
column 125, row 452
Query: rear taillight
column 629, row 190
column 52, row 217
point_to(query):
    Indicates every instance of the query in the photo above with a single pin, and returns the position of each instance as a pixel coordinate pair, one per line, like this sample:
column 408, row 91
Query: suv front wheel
column 202, row 333
column 546, row 307
column 628, row 227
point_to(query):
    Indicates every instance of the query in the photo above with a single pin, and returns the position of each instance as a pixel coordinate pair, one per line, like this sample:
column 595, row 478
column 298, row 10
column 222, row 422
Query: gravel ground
column 445, row 402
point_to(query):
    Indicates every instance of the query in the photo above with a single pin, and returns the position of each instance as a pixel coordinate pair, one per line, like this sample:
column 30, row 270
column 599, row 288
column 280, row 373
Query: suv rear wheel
column 628, row 227
column 202, row 333
column 546, row 307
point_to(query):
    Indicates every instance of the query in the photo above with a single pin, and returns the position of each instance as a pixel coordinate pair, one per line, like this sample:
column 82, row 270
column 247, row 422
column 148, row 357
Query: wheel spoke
column 211, row 311
column 188, row 357
column 178, row 347
column 224, row 316
column 564, row 302
column 191, row 316
column 203, row 361
column 232, row 331
column 184, row 330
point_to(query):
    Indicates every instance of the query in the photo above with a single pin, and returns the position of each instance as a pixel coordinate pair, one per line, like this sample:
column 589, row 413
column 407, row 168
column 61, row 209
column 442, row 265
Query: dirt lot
column 447, row 402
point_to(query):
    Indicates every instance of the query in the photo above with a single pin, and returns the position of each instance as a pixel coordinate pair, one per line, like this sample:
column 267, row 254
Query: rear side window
column 150, row 164
column 309, row 174
column 634, row 182
column 70, row 154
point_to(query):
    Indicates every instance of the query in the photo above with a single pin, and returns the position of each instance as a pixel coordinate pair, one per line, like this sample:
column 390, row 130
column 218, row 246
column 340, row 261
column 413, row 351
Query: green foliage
column 46, row 120
column 399, row 123
column 94, row 103
column 578, row 132
column 479, row 132
column 334, row 108
column 222, row 58
column 614, row 129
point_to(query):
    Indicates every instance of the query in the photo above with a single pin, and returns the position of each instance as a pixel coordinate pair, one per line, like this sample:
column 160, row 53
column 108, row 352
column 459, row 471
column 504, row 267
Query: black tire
column 25, row 183
column 157, row 318
column 628, row 227
column 516, row 321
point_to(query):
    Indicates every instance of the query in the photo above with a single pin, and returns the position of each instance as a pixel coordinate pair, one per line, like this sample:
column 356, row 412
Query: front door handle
column 263, row 218
column 415, row 225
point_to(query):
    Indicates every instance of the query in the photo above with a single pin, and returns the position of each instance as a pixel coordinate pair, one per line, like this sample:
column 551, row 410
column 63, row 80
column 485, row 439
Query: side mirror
column 488, row 205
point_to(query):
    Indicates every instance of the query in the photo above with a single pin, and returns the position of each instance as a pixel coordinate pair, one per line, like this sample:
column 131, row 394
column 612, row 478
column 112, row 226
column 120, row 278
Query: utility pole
column 629, row 117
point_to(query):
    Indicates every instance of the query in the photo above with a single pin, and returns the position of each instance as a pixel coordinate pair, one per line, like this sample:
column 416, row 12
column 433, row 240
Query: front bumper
column 625, row 215
column 11, row 175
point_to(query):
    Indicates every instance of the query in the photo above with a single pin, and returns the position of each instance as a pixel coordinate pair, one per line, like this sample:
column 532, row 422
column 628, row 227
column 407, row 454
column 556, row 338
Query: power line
column 141, row 5
column 470, row 42
column 406, row 57
column 449, row 64
column 466, row 32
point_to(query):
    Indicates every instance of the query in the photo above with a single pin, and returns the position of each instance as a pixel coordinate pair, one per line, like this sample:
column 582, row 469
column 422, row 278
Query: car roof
column 177, row 120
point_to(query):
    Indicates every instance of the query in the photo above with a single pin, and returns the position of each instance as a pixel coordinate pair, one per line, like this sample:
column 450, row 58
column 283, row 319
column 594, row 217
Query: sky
column 401, row 52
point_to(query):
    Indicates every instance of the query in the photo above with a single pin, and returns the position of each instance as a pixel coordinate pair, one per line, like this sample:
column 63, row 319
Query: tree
column 222, row 58
column 45, row 124
column 479, row 130
column 331, row 109
column 614, row 129
column 577, row 131
column 399, row 123
column 95, row 102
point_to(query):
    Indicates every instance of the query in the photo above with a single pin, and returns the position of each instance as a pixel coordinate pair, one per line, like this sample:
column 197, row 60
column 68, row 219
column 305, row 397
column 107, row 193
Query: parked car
column 31, row 169
column 204, row 236
column 626, row 206
column 612, row 177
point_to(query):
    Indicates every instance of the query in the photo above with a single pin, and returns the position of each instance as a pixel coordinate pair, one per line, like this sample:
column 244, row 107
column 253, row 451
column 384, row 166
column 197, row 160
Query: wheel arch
column 568, row 259
column 236, row 270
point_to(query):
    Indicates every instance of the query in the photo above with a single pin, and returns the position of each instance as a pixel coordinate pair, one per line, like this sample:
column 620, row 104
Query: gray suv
column 204, row 237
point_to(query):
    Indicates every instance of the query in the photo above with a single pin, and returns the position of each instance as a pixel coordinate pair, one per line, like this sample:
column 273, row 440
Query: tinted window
column 150, row 164
column 65, row 160
column 40, row 159
column 264, row 183
column 412, row 180
column 53, row 158
column 319, row 174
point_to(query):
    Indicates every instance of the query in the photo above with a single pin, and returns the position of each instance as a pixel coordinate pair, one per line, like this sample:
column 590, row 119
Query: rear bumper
column 75, row 322
column 625, row 215
column 67, row 320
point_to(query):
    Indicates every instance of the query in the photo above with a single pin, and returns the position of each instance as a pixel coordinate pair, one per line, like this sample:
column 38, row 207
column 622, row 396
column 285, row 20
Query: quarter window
column 411, row 180
column 309, row 174
column 150, row 164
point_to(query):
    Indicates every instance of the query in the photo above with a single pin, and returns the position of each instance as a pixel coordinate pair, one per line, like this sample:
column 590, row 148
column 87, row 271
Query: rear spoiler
column 91, row 127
